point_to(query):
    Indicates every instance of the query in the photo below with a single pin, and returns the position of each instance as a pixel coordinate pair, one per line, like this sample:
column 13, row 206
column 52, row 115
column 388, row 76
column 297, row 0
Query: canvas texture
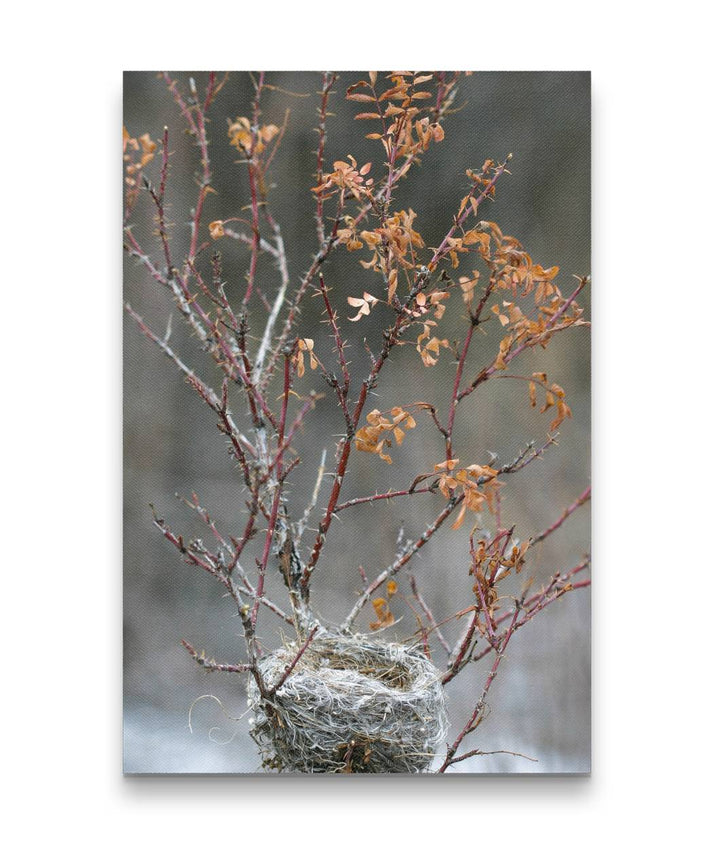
column 356, row 423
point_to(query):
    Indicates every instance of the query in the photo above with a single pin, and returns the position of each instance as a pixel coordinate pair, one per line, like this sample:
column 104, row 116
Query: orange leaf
column 385, row 617
column 217, row 229
column 392, row 284
column 459, row 520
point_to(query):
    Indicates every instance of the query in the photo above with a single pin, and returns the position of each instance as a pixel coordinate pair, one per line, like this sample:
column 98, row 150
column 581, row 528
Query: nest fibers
column 350, row 705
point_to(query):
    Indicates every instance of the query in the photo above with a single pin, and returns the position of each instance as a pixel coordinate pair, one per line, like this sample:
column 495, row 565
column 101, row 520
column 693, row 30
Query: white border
column 655, row 297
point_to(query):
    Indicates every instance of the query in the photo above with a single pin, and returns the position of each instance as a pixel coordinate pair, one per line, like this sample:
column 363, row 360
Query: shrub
column 335, row 695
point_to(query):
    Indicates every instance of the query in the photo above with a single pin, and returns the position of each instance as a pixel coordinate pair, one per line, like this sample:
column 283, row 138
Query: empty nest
column 350, row 705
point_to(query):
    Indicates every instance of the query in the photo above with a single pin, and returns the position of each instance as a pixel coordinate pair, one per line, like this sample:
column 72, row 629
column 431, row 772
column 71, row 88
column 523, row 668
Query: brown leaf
column 384, row 616
column 217, row 229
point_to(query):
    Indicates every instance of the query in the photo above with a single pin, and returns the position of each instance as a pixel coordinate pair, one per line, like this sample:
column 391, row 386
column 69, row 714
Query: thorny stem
column 490, row 370
column 158, row 198
column 288, row 669
column 400, row 562
column 272, row 522
column 462, row 649
column 214, row 566
column 329, row 79
column 445, row 94
column 477, row 714
column 478, row 195
column 391, row 494
column 475, row 752
column 581, row 500
column 391, row 338
column 224, row 335
column 428, row 614
column 279, row 253
column 180, row 101
column 205, row 163
column 339, row 345
column 206, row 393
column 196, row 555
column 204, row 514
column 253, row 176
column 211, row 665
column 302, row 523
column 555, row 589
column 331, row 240
column 474, row 319
column 319, row 258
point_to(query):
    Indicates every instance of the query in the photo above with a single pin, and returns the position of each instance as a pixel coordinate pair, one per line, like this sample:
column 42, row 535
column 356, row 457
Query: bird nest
column 350, row 705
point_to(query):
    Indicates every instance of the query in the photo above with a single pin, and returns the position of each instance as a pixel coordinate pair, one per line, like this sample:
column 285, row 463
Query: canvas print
column 356, row 422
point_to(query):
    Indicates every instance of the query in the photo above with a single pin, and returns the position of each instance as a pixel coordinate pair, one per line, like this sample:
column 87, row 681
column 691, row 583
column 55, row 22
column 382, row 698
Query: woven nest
column 350, row 705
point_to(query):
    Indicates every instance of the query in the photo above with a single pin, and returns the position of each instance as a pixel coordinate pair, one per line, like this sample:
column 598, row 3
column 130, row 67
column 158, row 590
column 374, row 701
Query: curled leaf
column 217, row 229
column 363, row 304
column 384, row 617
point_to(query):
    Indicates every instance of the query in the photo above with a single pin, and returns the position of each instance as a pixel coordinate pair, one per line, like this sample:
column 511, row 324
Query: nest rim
column 351, row 704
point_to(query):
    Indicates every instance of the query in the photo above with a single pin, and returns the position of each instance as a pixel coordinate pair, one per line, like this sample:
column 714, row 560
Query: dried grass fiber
column 351, row 704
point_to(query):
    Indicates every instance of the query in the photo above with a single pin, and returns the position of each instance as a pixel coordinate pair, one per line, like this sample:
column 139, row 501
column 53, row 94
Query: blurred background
column 540, row 701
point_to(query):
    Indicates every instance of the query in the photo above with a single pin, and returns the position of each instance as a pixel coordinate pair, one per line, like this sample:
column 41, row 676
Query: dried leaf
column 459, row 519
column 363, row 304
column 385, row 617
column 217, row 229
column 392, row 284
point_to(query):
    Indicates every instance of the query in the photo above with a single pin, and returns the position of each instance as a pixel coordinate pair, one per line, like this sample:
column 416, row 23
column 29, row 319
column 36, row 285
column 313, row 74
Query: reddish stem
column 490, row 370
column 272, row 522
column 391, row 494
column 581, row 500
column 286, row 674
column 428, row 614
column 479, row 194
column 476, row 716
column 253, row 165
column 205, row 163
column 328, row 81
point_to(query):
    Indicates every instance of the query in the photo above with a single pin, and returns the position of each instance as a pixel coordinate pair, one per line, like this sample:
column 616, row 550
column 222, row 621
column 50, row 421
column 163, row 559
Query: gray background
column 540, row 702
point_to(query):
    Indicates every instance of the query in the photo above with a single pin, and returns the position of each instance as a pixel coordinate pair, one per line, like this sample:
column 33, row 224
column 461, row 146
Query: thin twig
column 286, row 674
